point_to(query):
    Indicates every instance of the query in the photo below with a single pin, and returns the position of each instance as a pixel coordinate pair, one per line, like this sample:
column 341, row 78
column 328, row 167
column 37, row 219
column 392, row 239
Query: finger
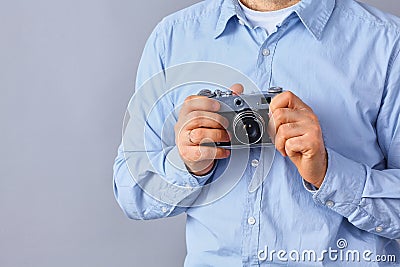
column 202, row 153
column 286, row 115
column 287, row 100
column 203, row 119
column 297, row 146
column 237, row 89
column 201, row 168
column 287, row 131
column 205, row 135
column 199, row 103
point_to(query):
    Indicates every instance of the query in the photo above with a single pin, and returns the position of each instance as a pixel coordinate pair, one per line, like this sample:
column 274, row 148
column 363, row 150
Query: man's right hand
column 199, row 123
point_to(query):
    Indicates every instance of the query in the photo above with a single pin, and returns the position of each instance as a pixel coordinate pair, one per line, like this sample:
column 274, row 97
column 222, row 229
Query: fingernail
column 227, row 153
column 216, row 106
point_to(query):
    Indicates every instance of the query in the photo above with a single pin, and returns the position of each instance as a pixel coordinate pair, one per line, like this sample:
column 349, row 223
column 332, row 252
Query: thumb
column 237, row 89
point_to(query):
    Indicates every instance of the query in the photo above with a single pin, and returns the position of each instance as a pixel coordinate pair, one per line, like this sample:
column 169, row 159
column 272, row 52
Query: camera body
column 247, row 115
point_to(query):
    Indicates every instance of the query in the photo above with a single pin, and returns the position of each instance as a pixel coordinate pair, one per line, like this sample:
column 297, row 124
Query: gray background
column 67, row 70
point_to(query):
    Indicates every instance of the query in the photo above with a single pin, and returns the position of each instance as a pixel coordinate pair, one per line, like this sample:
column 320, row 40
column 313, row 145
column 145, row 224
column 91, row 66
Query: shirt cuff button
column 379, row 229
column 330, row 203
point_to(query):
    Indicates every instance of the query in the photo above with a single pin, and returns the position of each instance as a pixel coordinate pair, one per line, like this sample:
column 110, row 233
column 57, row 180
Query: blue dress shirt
column 341, row 58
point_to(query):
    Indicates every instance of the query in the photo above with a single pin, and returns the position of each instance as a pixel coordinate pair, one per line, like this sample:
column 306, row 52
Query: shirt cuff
column 175, row 164
column 208, row 175
column 343, row 185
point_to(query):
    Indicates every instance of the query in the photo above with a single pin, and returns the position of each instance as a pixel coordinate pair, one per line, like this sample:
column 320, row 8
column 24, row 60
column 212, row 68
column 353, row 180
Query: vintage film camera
column 247, row 115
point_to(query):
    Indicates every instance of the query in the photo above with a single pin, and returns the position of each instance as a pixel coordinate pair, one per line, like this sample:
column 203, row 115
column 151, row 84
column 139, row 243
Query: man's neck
column 268, row 5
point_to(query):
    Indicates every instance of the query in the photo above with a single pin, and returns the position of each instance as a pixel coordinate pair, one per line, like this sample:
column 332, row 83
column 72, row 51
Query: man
column 331, row 196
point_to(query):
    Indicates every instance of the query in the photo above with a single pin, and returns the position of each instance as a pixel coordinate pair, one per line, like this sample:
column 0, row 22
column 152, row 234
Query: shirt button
column 164, row 209
column 255, row 163
column 241, row 22
column 251, row 220
column 330, row 203
column 379, row 229
column 266, row 52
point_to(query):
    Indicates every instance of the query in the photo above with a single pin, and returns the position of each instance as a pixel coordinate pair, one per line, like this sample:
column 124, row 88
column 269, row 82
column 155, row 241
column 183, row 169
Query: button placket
column 251, row 215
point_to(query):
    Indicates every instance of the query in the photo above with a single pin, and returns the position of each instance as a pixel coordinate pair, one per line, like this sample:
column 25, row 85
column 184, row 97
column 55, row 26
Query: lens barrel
column 248, row 127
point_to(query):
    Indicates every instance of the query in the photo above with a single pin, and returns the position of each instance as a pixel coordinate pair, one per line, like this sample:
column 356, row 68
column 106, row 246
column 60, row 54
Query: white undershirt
column 267, row 20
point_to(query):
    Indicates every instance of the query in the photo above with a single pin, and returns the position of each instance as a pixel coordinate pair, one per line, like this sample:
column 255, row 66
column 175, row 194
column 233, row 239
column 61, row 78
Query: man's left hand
column 298, row 135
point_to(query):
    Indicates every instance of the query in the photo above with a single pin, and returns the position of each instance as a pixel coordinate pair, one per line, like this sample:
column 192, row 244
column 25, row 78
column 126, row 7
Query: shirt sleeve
column 150, row 179
column 370, row 197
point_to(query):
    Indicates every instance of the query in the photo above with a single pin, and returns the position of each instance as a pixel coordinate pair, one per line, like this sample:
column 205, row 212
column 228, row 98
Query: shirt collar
column 314, row 14
column 229, row 8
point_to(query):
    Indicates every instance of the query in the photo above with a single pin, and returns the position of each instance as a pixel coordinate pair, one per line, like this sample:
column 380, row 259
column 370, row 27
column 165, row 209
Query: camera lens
column 248, row 127
column 252, row 129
